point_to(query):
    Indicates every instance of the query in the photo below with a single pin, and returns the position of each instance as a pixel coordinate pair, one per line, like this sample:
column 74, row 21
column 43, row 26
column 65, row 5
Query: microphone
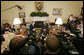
column 13, row 7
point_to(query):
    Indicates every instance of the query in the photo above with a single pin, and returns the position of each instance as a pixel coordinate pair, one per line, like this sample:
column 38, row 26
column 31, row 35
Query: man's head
column 33, row 22
column 44, row 22
column 16, row 44
column 12, row 26
column 52, row 43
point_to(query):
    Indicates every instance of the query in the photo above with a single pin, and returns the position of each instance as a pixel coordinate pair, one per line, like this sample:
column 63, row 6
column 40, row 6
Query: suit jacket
column 32, row 27
column 47, row 29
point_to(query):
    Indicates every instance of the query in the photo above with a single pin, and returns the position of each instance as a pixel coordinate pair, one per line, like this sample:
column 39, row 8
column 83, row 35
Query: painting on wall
column 57, row 11
column 39, row 6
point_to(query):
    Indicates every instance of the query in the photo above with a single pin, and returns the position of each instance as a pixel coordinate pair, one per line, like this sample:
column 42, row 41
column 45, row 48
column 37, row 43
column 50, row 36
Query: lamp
column 17, row 22
column 59, row 22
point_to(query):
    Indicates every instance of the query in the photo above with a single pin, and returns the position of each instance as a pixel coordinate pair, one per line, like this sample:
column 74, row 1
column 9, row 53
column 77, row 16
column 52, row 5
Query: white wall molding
column 39, row 18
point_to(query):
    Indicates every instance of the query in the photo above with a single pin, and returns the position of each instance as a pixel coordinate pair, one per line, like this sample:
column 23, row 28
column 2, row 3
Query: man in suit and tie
column 32, row 28
column 45, row 28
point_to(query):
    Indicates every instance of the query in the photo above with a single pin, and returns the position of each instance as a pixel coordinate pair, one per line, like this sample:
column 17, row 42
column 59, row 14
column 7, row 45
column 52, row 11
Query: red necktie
column 45, row 26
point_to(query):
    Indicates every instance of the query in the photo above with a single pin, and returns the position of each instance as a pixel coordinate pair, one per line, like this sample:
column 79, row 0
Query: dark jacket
column 12, row 29
column 32, row 27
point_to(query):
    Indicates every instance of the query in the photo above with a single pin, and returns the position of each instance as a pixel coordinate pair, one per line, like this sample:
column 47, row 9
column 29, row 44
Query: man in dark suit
column 45, row 28
column 32, row 28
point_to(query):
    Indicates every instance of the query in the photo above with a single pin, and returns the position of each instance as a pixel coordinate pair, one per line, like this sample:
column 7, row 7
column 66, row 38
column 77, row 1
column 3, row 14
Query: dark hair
column 16, row 44
column 52, row 43
column 71, row 14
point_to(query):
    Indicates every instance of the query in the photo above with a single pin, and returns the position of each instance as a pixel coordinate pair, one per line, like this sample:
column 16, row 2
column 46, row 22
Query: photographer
column 15, row 45
column 52, row 45
column 77, row 29
column 78, row 41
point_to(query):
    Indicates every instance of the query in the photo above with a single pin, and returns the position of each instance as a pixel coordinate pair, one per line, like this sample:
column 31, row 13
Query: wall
column 68, row 7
